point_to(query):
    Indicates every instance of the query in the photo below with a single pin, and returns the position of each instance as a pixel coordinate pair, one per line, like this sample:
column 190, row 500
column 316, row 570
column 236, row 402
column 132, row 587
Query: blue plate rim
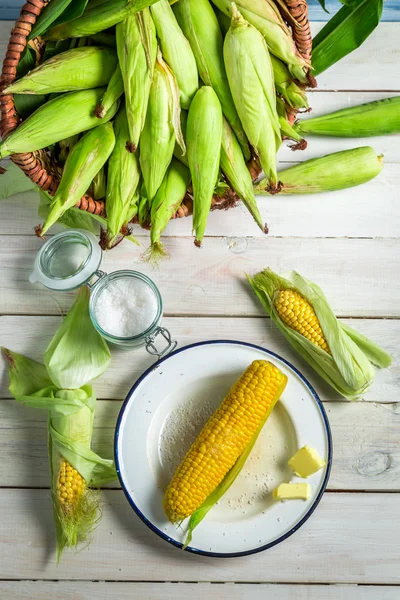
column 191, row 549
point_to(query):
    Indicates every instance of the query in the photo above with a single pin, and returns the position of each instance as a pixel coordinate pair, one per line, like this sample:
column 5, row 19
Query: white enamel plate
column 166, row 409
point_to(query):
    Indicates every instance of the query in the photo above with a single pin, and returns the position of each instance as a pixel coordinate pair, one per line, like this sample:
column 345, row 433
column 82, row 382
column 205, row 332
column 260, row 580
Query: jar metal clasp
column 151, row 345
column 93, row 282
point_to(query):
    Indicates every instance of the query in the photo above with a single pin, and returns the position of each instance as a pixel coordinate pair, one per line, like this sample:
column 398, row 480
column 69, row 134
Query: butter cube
column 306, row 461
column 292, row 491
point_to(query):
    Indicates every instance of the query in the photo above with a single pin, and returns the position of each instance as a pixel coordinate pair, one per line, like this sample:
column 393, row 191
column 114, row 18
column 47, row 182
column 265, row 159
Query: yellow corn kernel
column 298, row 314
column 223, row 439
column 70, row 486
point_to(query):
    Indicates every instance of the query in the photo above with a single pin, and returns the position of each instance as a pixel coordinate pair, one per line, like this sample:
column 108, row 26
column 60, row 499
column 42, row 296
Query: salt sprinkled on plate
column 126, row 307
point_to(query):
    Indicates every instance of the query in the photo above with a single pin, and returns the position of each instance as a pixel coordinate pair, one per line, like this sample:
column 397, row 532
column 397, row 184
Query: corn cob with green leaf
column 97, row 17
column 291, row 92
column 229, row 434
column 137, row 51
column 200, row 26
column 336, row 171
column 381, row 117
column 250, row 75
column 161, row 128
column 56, row 120
column 78, row 69
column 123, row 179
column 176, row 51
column 340, row 355
column 99, row 185
column 203, row 139
column 113, row 93
column 287, row 130
column 235, row 169
column 84, row 161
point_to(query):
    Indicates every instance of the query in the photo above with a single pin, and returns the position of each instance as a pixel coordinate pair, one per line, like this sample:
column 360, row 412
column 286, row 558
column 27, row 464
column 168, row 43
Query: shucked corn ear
column 157, row 141
column 380, row 117
column 123, row 178
column 137, row 51
column 84, row 161
column 114, row 91
column 176, row 51
column 336, row 171
column 203, row 139
column 265, row 16
column 62, row 117
column 77, row 69
column 340, row 355
column 200, row 25
column 97, row 17
column 235, row 169
column 224, row 438
column 251, row 79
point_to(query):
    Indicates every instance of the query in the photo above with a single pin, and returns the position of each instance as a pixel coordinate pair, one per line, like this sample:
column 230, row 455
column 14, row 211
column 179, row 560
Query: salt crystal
column 126, row 307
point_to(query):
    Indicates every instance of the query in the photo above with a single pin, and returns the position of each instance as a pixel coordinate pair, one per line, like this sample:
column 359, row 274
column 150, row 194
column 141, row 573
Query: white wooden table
column 349, row 243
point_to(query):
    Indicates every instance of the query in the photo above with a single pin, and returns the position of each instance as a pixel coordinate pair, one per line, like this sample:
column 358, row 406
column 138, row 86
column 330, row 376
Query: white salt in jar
column 125, row 306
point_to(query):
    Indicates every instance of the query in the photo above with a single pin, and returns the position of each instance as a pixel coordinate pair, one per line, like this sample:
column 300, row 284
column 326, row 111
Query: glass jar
column 72, row 259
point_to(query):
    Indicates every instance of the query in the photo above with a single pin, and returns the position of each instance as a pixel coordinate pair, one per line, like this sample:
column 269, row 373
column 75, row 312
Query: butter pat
column 292, row 491
column 306, row 461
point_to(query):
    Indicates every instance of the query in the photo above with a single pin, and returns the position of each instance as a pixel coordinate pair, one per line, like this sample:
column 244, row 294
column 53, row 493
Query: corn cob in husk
column 165, row 204
column 56, row 120
column 336, row 171
column 97, row 17
column 380, row 117
column 288, row 89
column 235, row 169
column 251, row 79
column 203, row 139
column 98, row 186
column 84, row 161
column 158, row 137
column 75, row 356
column 113, row 93
column 287, row 130
column 340, row 355
column 137, row 51
column 178, row 152
column 78, row 69
column 123, row 179
column 200, row 26
column 265, row 17
column 176, row 51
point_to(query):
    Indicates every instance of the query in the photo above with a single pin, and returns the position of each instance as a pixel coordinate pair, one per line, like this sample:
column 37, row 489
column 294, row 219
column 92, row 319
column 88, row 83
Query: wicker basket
column 42, row 168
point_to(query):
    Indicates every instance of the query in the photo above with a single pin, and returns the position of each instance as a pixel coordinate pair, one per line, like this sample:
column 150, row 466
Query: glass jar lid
column 67, row 260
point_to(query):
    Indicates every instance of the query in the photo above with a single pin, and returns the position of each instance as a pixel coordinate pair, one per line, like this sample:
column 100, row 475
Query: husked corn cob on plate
column 166, row 410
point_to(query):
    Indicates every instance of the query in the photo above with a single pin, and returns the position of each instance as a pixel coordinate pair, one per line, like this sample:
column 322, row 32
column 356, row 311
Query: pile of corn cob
column 155, row 105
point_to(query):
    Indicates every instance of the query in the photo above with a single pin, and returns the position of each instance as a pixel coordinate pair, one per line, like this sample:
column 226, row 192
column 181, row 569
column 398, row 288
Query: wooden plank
column 357, row 275
column 101, row 590
column 330, row 547
column 365, row 441
column 31, row 335
column 370, row 210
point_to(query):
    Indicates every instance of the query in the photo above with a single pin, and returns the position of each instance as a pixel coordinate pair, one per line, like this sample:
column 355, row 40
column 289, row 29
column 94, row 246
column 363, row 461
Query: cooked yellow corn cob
column 298, row 314
column 224, row 438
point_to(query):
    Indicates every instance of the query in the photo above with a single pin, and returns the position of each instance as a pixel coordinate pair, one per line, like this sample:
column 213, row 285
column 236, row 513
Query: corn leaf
column 14, row 181
column 26, row 376
column 377, row 355
column 74, row 218
column 345, row 32
column 56, row 12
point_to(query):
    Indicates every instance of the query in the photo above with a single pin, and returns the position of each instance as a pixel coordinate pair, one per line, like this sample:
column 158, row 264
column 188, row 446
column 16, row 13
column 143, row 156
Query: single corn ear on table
column 338, row 353
column 224, row 439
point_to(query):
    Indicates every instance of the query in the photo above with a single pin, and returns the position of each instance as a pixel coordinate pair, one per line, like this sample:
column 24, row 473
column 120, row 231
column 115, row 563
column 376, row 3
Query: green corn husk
column 287, row 131
column 348, row 368
column 178, row 152
column 73, row 218
column 251, row 79
column 158, row 137
column 56, row 120
column 113, row 93
column 293, row 94
column 76, row 355
column 13, row 181
column 176, row 51
column 97, row 17
column 234, row 168
column 336, row 171
column 381, row 117
column 78, row 69
column 137, row 51
column 200, row 26
column 99, row 185
column 123, row 179
column 165, row 204
column 84, row 161
column 104, row 38
column 265, row 17
column 144, row 208
column 66, row 146
column 203, row 138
